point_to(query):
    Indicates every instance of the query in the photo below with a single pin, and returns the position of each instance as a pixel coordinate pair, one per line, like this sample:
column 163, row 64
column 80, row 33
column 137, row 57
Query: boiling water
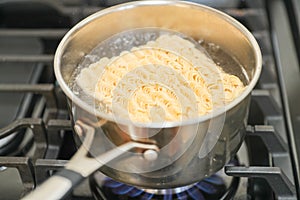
column 125, row 41
column 228, row 63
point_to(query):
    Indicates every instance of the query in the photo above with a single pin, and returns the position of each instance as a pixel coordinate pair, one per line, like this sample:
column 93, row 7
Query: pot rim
column 222, row 110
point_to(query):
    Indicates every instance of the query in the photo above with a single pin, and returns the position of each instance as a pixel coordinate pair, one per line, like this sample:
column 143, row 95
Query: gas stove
column 36, row 135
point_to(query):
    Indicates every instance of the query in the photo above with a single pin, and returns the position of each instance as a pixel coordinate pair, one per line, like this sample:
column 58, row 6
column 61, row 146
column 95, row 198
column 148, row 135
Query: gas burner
column 210, row 188
column 217, row 186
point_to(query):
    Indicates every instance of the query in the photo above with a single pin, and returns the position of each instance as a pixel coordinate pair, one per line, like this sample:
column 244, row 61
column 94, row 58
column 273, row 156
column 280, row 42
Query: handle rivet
column 150, row 155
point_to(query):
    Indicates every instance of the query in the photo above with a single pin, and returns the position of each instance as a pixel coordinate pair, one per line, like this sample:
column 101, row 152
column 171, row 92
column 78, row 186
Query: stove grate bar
column 272, row 140
column 265, row 101
column 38, row 129
column 47, row 90
column 276, row 178
column 44, row 167
column 59, row 124
column 25, row 169
column 278, row 153
column 40, row 33
column 46, row 58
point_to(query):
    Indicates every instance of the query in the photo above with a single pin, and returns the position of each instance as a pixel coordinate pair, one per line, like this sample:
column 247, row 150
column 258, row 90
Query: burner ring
column 168, row 191
column 213, row 187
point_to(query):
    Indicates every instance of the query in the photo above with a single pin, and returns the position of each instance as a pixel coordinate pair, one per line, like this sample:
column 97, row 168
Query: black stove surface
column 36, row 138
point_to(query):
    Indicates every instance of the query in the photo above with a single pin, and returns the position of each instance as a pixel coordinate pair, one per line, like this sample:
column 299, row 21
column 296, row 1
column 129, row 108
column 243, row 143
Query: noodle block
column 168, row 79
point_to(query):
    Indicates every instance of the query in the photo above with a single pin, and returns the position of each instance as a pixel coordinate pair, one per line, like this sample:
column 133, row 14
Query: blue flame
column 112, row 184
column 214, row 179
column 208, row 186
column 182, row 196
column 123, row 189
column 147, row 196
column 195, row 194
column 168, row 197
column 135, row 192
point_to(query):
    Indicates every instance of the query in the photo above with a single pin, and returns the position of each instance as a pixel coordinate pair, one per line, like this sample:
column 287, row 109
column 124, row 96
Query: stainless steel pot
column 188, row 150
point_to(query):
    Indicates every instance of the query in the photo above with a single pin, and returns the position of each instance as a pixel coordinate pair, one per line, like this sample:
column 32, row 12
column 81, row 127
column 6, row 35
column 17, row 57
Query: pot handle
column 80, row 166
column 57, row 186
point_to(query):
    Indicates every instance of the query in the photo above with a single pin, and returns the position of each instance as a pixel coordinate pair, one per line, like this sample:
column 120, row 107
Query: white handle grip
column 56, row 187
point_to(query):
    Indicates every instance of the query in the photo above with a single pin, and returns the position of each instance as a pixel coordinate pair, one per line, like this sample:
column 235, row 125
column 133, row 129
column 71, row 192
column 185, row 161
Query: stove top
column 36, row 137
